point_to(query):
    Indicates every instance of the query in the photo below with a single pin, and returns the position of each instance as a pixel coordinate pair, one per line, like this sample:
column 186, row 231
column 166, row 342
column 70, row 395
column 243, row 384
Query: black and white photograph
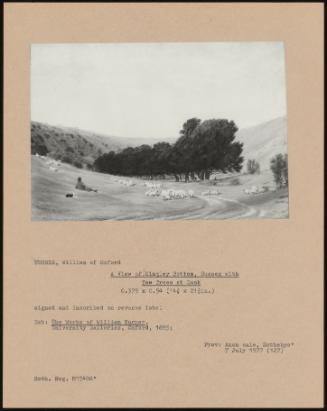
column 160, row 251
column 159, row 131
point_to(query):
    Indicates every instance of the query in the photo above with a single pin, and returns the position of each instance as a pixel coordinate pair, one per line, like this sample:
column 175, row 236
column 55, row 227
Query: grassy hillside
column 81, row 148
column 70, row 145
column 75, row 146
column 264, row 141
column 114, row 201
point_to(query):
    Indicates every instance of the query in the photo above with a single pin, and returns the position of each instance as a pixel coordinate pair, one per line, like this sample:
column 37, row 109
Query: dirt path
column 220, row 207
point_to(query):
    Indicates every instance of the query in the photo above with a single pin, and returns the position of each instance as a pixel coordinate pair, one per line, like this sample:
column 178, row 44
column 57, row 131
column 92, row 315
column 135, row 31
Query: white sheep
column 166, row 194
column 254, row 190
column 174, row 194
column 152, row 185
column 129, row 183
column 180, row 194
column 152, row 193
column 210, row 192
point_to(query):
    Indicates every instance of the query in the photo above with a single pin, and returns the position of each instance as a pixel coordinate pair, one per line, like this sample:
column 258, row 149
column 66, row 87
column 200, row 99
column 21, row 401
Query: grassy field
column 114, row 201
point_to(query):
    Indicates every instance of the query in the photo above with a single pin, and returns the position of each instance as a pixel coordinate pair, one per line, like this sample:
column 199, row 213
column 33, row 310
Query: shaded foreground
column 114, row 201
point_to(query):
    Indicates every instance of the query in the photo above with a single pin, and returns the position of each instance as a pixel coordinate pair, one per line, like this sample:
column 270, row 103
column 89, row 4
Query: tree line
column 202, row 148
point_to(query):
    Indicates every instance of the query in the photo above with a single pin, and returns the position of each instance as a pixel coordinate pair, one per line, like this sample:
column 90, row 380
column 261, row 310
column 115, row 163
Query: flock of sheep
column 210, row 192
column 127, row 183
column 256, row 190
column 171, row 194
column 156, row 189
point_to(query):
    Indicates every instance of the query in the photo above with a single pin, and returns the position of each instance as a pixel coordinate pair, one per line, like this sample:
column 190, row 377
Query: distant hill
column 263, row 141
column 75, row 146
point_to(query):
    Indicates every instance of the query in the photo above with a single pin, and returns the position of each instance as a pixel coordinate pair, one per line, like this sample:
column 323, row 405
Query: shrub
column 253, row 167
column 67, row 159
column 279, row 167
column 77, row 164
column 39, row 149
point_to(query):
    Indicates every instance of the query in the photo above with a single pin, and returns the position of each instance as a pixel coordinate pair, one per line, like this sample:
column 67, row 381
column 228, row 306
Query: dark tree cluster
column 202, row 148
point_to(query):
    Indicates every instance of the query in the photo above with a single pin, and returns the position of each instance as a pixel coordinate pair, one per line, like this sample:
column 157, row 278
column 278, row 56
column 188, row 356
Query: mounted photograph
column 158, row 131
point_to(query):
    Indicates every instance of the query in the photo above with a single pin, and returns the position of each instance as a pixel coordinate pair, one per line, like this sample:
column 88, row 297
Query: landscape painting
column 158, row 131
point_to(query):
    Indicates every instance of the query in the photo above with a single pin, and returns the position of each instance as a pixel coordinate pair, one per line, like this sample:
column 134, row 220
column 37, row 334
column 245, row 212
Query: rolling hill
column 75, row 146
column 70, row 145
column 263, row 141
column 81, row 148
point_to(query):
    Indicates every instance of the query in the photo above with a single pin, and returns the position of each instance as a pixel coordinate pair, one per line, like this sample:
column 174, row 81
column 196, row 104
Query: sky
column 150, row 89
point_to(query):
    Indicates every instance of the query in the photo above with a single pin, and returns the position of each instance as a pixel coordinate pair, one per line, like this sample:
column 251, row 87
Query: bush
column 39, row 148
column 253, row 167
column 67, row 159
column 77, row 164
column 279, row 167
